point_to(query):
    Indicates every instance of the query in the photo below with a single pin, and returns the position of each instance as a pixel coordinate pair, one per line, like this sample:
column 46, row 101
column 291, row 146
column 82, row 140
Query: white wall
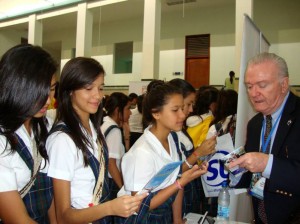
column 172, row 55
column 171, row 61
column 279, row 21
column 290, row 52
column 10, row 38
column 219, row 22
column 221, row 62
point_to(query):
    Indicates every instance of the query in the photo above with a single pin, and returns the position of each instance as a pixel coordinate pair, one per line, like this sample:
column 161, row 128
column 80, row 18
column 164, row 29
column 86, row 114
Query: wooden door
column 197, row 71
column 197, row 60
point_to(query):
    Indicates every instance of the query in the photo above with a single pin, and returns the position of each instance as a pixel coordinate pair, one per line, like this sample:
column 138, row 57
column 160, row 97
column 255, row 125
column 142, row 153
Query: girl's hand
column 207, row 147
column 193, row 173
column 127, row 205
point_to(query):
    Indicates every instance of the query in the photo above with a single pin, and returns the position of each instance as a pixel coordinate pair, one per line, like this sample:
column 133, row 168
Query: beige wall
column 281, row 28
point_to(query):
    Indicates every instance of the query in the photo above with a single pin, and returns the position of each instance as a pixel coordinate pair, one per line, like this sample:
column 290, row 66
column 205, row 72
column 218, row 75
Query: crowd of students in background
column 88, row 163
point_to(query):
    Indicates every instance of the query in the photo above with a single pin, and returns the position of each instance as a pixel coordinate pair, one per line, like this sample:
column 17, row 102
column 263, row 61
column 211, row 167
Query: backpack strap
column 37, row 193
column 186, row 152
column 177, row 143
column 109, row 129
column 33, row 164
column 176, row 140
column 112, row 127
column 24, row 153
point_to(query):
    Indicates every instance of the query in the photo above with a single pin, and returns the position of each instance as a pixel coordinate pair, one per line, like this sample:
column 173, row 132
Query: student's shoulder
column 193, row 121
column 59, row 133
column 141, row 146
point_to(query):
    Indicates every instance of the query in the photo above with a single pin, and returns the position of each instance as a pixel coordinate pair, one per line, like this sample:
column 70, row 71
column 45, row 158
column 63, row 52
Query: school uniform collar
column 156, row 144
column 110, row 120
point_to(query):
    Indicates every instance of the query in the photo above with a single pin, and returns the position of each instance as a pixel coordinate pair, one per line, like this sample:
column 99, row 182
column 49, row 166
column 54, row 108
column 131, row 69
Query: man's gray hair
column 265, row 56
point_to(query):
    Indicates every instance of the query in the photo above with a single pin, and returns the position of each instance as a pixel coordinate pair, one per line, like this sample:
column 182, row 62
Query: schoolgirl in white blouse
column 163, row 111
column 27, row 84
column 77, row 150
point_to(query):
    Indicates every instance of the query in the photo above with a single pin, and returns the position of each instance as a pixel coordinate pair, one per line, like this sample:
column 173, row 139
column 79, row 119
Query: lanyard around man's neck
column 264, row 144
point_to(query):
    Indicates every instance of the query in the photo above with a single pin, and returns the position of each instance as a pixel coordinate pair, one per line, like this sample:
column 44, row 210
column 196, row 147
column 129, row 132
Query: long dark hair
column 185, row 87
column 139, row 103
column 77, row 74
column 26, row 72
column 116, row 100
column 205, row 96
column 158, row 94
column 231, row 74
column 226, row 105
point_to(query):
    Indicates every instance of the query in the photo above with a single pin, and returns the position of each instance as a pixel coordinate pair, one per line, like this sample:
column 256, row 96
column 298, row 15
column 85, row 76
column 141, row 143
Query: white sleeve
column 8, row 180
column 193, row 121
column 63, row 155
column 114, row 143
column 135, row 173
column 211, row 132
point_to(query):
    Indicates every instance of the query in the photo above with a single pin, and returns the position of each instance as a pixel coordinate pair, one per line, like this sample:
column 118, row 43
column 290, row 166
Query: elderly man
column 273, row 141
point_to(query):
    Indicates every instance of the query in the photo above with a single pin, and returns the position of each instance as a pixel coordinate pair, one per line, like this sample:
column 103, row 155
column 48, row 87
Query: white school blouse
column 116, row 149
column 66, row 163
column 14, row 173
column 145, row 158
column 136, row 121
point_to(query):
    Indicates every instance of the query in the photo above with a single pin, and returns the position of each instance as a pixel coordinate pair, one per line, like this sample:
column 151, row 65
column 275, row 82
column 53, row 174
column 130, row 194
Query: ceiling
column 127, row 9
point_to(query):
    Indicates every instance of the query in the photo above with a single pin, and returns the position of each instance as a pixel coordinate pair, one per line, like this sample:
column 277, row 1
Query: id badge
column 257, row 186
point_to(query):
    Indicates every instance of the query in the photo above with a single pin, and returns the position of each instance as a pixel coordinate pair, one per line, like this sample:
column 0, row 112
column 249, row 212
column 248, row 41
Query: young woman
column 224, row 122
column 225, row 114
column 189, row 153
column 162, row 109
column 77, row 151
column 27, row 84
column 118, row 111
column 230, row 81
column 203, row 114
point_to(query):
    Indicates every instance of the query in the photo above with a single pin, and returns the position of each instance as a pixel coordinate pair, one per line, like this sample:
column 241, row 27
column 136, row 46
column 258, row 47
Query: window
column 123, row 57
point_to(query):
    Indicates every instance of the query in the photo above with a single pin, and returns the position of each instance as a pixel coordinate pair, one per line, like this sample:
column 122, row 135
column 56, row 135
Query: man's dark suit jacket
column 282, row 189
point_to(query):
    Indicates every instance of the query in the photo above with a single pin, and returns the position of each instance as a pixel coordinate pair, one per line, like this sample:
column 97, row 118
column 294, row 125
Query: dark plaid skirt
column 160, row 215
column 191, row 200
column 106, row 220
column 38, row 200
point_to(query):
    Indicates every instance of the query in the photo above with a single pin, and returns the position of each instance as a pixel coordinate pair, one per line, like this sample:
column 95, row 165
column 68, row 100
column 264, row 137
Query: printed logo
column 216, row 172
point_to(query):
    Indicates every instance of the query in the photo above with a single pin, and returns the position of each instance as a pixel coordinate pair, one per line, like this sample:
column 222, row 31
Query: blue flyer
column 162, row 174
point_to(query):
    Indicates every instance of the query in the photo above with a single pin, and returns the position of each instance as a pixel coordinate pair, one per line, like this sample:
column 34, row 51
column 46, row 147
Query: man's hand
column 252, row 161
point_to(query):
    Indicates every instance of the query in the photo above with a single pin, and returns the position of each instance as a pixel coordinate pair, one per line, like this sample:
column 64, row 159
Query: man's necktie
column 268, row 130
column 261, row 208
